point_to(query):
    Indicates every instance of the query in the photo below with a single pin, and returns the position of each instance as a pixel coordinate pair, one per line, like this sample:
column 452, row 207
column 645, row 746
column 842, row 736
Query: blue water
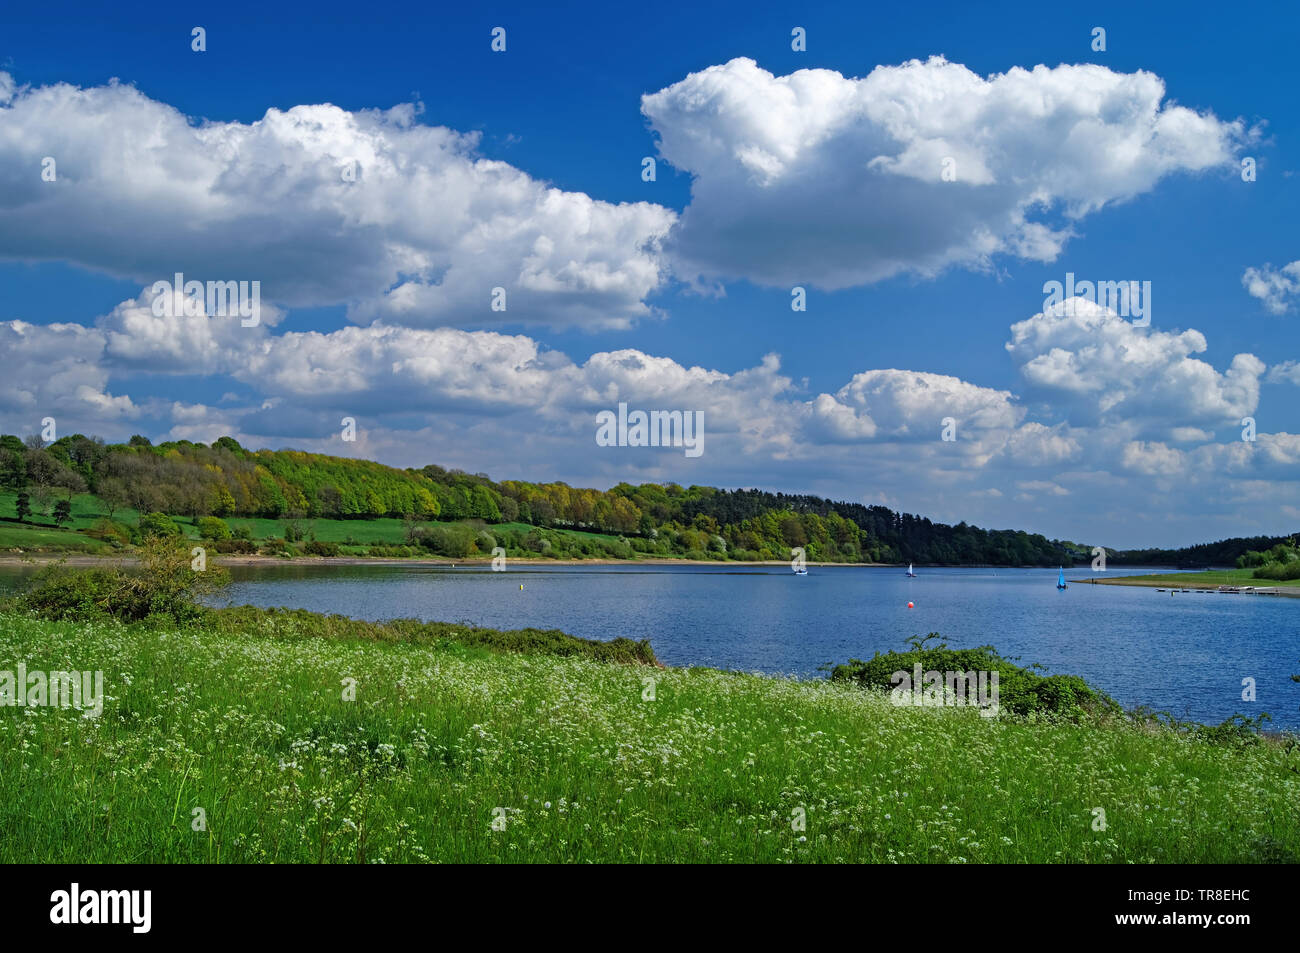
column 1185, row 653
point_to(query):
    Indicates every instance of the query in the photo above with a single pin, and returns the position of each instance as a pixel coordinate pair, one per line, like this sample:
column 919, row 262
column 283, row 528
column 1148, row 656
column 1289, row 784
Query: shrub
column 242, row 532
column 1279, row 572
column 158, row 526
column 318, row 548
column 163, row 585
column 214, row 528
column 244, row 547
column 1020, row 690
column 392, row 552
column 454, row 540
column 110, row 531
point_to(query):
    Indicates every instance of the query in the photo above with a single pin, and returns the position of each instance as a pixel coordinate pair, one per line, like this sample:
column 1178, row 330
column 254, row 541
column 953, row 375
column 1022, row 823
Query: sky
column 462, row 250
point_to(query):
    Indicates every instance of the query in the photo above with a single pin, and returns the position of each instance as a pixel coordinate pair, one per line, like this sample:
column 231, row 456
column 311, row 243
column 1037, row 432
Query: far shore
column 1166, row 583
column 234, row 559
column 240, row 559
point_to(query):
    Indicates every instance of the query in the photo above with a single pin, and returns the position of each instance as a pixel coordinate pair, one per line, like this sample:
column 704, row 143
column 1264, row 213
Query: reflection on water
column 1186, row 653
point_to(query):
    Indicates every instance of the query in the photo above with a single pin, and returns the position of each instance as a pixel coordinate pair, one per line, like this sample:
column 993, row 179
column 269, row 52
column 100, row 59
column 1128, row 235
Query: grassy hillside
column 246, row 720
column 224, row 479
column 355, row 537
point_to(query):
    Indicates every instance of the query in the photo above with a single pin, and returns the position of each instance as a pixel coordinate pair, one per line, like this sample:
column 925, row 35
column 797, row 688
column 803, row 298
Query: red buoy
column 910, row 606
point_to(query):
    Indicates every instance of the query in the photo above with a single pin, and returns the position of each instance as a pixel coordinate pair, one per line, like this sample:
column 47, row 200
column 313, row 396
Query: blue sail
column 1060, row 580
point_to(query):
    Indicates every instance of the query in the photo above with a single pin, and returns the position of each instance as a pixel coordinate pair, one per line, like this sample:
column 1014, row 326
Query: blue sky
column 1087, row 427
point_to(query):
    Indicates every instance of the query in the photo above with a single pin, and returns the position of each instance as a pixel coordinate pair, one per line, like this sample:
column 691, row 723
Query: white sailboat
column 909, row 571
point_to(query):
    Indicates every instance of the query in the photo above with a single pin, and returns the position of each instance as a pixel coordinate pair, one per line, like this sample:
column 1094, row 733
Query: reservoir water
column 1186, row 653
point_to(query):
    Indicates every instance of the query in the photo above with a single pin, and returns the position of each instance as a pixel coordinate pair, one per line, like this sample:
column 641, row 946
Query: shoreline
column 243, row 559
column 11, row 558
column 240, row 559
column 1143, row 582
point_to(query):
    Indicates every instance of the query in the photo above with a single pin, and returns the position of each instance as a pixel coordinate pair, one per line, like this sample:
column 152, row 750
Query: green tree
column 113, row 491
column 158, row 526
column 24, row 506
column 62, row 512
column 13, row 471
column 213, row 527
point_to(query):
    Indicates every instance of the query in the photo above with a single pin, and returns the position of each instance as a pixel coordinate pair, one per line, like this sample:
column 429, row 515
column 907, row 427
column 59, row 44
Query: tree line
column 225, row 479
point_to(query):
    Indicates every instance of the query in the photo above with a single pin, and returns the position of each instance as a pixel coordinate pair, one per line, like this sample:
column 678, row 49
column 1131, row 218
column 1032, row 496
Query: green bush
column 163, row 585
column 392, row 552
column 1020, row 690
column 318, row 548
column 455, row 540
column 214, row 528
column 244, row 547
column 110, row 531
column 158, row 526
column 1279, row 572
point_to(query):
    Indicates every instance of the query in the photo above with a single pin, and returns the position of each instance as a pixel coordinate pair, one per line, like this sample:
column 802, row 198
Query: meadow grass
column 47, row 539
column 248, row 722
column 40, row 534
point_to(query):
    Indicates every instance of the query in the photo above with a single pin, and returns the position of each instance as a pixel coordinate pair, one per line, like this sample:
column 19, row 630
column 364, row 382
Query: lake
column 1185, row 653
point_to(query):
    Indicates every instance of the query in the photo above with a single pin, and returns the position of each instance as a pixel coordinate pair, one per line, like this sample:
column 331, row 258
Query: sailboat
column 800, row 571
column 909, row 571
column 1060, row 579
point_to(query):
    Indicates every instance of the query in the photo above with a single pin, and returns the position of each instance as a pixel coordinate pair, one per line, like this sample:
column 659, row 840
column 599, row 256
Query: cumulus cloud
column 915, row 403
column 506, row 404
column 1153, row 459
column 1099, row 367
column 57, row 370
column 835, row 181
column 1287, row 371
column 1275, row 287
column 322, row 205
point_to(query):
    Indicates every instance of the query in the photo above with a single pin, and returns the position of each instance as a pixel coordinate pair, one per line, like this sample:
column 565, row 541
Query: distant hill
column 225, row 479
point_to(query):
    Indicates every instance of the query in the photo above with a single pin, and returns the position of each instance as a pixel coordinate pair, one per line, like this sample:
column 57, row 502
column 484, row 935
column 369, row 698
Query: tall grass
column 247, row 721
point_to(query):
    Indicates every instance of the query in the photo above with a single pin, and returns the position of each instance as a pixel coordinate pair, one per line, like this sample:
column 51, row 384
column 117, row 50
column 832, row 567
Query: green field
column 249, row 727
column 46, row 539
column 39, row 533
column 1210, row 579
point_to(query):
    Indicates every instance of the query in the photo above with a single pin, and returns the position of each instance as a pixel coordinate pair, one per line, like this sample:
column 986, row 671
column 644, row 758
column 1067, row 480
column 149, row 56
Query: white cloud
column 56, row 370
column 1153, row 459
column 1275, row 287
column 817, row 178
column 1097, row 366
column 1287, row 371
column 915, row 403
column 424, row 231
column 1042, row 486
